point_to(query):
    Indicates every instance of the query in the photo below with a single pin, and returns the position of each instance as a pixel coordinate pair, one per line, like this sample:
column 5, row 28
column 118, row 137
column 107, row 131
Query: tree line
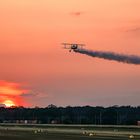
column 124, row 115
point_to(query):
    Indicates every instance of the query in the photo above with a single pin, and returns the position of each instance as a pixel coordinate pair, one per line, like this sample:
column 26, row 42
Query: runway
column 29, row 135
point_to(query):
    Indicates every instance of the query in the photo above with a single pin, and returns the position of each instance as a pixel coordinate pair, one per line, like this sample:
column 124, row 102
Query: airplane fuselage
column 74, row 47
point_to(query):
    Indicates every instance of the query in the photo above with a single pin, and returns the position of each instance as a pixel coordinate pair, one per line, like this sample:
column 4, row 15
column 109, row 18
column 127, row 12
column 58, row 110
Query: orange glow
column 10, row 93
column 9, row 88
column 9, row 103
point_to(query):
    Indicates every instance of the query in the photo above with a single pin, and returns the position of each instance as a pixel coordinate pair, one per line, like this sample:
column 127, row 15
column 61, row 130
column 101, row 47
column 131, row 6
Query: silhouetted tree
column 124, row 115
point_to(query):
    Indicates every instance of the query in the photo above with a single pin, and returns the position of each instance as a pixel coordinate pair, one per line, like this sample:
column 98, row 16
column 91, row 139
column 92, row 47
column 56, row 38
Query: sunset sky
column 36, row 71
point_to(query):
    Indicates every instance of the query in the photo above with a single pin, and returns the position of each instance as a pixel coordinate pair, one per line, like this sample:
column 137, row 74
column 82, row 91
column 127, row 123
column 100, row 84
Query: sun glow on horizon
column 9, row 103
column 11, row 93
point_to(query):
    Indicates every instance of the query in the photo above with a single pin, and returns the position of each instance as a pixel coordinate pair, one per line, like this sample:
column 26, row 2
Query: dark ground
column 31, row 135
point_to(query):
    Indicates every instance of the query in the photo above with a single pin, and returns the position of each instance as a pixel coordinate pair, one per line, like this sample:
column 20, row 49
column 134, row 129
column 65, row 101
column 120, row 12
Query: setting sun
column 11, row 93
column 9, row 103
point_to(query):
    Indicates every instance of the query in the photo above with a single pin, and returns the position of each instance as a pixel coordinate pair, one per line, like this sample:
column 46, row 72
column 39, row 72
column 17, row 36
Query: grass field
column 54, row 132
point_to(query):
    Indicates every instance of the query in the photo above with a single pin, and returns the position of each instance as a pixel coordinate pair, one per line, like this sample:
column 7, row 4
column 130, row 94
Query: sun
column 9, row 103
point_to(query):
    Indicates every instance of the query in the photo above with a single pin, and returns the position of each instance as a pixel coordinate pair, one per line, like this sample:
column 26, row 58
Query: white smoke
column 130, row 59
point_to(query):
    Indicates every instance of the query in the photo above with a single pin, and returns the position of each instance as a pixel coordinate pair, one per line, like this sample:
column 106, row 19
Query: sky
column 36, row 71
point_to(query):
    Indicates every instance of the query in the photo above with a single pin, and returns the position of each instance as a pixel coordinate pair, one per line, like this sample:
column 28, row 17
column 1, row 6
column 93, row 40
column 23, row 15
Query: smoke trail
column 130, row 59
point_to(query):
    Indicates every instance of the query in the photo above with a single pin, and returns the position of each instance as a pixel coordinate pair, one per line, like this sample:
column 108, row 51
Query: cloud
column 2, row 105
column 77, row 14
column 28, row 95
column 133, row 32
column 137, row 29
column 37, row 94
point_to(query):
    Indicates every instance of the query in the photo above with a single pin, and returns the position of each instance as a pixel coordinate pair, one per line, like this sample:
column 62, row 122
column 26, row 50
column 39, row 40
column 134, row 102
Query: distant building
column 21, row 121
column 26, row 121
column 138, row 123
column 54, row 122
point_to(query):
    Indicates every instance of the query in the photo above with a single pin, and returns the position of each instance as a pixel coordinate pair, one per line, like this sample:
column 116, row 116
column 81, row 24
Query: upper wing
column 80, row 44
column 73, row 44
column 66, row 44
